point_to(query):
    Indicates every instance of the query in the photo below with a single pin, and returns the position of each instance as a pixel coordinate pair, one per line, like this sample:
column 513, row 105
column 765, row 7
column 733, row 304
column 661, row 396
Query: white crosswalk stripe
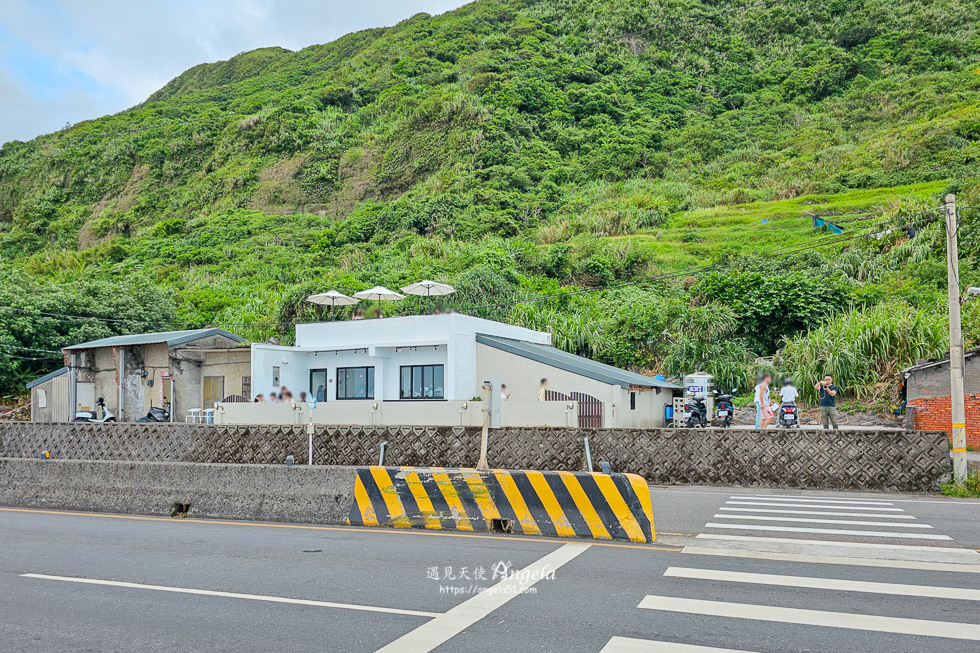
column 835, row 549
column 828, row 619
column 896, row 589
column 631, row 645
column 828, row 531
column 821, row 521
column 817, row 512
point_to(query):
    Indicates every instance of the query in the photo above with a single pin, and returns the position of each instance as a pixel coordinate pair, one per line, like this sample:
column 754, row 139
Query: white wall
column 522, row 376
column 406, row 331
column 397, row 413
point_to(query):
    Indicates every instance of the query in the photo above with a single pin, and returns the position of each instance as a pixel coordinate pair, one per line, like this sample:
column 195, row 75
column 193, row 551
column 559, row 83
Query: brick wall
column 933, row 415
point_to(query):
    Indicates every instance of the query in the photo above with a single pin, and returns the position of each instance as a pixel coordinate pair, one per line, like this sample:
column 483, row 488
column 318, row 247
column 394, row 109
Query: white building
column 429, row 369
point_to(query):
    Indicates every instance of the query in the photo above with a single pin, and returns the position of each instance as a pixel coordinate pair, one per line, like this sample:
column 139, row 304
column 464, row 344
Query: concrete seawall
column 319, row 495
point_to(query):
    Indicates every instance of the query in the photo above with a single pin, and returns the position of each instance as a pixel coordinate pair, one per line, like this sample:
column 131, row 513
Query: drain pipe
column 381, row 460
column 588, row 454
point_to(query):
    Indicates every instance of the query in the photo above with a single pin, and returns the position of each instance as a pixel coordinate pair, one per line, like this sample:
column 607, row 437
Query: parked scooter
column 788, row 416
column 156, row 414
column 695, row 413
column 725, row 409
column 93, row 416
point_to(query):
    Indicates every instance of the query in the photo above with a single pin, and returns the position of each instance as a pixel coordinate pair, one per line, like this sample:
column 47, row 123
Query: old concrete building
column 185, row 370
column 927, row 391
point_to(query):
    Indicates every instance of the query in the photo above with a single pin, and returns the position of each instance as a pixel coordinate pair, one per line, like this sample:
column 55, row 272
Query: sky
column 64, row 61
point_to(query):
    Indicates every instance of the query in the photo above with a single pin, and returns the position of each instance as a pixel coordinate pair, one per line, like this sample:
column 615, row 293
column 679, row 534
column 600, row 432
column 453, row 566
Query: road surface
column 733, row 569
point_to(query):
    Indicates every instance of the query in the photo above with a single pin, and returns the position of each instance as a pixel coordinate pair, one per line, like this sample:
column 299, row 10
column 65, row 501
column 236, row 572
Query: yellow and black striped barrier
column 560, row 504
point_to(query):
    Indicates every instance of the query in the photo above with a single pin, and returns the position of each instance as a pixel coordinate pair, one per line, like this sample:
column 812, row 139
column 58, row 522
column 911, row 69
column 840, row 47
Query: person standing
column 541, row 391
column 763, row 412
column 827, row 393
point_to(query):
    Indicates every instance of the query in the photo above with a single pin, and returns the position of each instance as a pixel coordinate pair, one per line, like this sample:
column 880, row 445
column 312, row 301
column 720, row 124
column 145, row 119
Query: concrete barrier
column 319, row 495
column 559, row 504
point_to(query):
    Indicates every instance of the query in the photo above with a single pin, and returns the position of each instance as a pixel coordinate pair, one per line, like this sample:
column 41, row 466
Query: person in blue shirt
column 827, row 393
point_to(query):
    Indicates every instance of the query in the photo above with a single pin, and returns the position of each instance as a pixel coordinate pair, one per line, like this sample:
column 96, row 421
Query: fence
column 860, row 460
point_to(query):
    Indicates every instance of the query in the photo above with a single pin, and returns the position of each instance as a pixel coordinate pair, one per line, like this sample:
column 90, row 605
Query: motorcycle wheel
column 691, row 424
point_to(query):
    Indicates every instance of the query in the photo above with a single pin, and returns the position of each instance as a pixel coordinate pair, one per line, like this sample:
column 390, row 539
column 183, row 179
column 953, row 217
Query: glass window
column 355, row 383
column 422, row 382
column 214, row 390
column 318, row 384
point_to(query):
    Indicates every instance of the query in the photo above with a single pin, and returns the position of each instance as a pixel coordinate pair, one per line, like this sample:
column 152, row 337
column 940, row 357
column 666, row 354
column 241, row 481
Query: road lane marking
column 786, row 497
column 828, row 531
column 631, row 645
column 445, row 626
column 817, row 512
column 808, row 505
column 923, row 627
column 896, row 589
column 234, row 595
column 837, row 543
column 822, row 521
column 835, row 560
column 517, row 539
column 839, row 560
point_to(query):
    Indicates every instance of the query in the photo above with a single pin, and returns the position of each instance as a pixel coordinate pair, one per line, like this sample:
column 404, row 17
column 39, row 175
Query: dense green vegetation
column 519, row 149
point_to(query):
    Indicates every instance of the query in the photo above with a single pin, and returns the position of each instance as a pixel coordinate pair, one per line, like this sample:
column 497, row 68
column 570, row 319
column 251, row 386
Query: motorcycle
column 788, row 416
column 156, row 414
column 695, row 413
column 93, row 416
column 725, row 409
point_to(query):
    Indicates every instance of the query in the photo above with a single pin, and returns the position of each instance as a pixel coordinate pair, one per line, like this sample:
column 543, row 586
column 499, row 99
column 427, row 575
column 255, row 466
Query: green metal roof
column 572, row 363
column 46, row 377
column 170, row 337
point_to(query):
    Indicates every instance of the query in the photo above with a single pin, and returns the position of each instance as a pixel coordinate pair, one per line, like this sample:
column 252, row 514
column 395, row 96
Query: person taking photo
column 827, row 393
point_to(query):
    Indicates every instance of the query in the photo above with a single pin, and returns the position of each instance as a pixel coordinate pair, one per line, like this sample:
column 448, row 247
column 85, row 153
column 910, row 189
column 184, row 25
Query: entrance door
column 318, row 385
column 84, row 396
column 589, row 411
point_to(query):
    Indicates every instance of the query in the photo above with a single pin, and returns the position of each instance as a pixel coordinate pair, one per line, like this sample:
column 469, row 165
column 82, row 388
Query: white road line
column 789, row 497
column 818, row 512
column 927, row 628
column 837, row 543
column 828, row 531
column 235, row 595
column 807, row 505
column 836, row 584
column 836, row 560
column 822, row 521
column 631, row 645
column 449, row 624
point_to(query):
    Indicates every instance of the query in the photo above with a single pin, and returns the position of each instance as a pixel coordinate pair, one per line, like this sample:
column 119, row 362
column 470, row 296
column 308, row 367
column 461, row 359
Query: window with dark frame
column 422, row 382
column 632, row 401
column 355, row 383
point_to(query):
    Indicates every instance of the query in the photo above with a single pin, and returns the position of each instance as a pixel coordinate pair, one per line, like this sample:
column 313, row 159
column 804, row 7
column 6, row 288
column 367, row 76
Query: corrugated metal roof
column 572, row 363
column 170, row 337
column 969, row 353
column 46, row 377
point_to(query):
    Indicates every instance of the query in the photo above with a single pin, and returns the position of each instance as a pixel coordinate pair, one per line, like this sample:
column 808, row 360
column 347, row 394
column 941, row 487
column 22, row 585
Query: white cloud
column 78, row 60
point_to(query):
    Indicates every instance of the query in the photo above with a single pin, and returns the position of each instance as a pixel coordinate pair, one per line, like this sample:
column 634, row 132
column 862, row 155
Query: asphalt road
column 735, row 569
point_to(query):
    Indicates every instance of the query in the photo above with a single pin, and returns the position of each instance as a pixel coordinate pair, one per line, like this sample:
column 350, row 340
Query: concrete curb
column 558, row 504
column 302, row 494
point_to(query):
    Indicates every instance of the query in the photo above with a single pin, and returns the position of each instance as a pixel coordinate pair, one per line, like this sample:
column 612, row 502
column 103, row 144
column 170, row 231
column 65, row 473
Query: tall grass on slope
column 864, row 349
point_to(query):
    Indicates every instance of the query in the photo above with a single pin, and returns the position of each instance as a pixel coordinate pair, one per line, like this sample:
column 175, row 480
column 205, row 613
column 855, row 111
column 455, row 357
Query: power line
column 43, row 351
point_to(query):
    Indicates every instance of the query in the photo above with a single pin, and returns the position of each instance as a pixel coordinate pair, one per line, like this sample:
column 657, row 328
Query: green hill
column 516, row 149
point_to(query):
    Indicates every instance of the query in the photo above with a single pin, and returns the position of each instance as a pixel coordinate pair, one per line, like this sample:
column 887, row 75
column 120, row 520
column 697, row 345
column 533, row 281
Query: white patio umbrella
column 380, row 294
column 333, row 299
column 429, row 289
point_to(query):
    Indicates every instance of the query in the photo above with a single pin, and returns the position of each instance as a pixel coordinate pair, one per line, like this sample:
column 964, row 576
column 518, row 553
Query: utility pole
column 957, row 392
